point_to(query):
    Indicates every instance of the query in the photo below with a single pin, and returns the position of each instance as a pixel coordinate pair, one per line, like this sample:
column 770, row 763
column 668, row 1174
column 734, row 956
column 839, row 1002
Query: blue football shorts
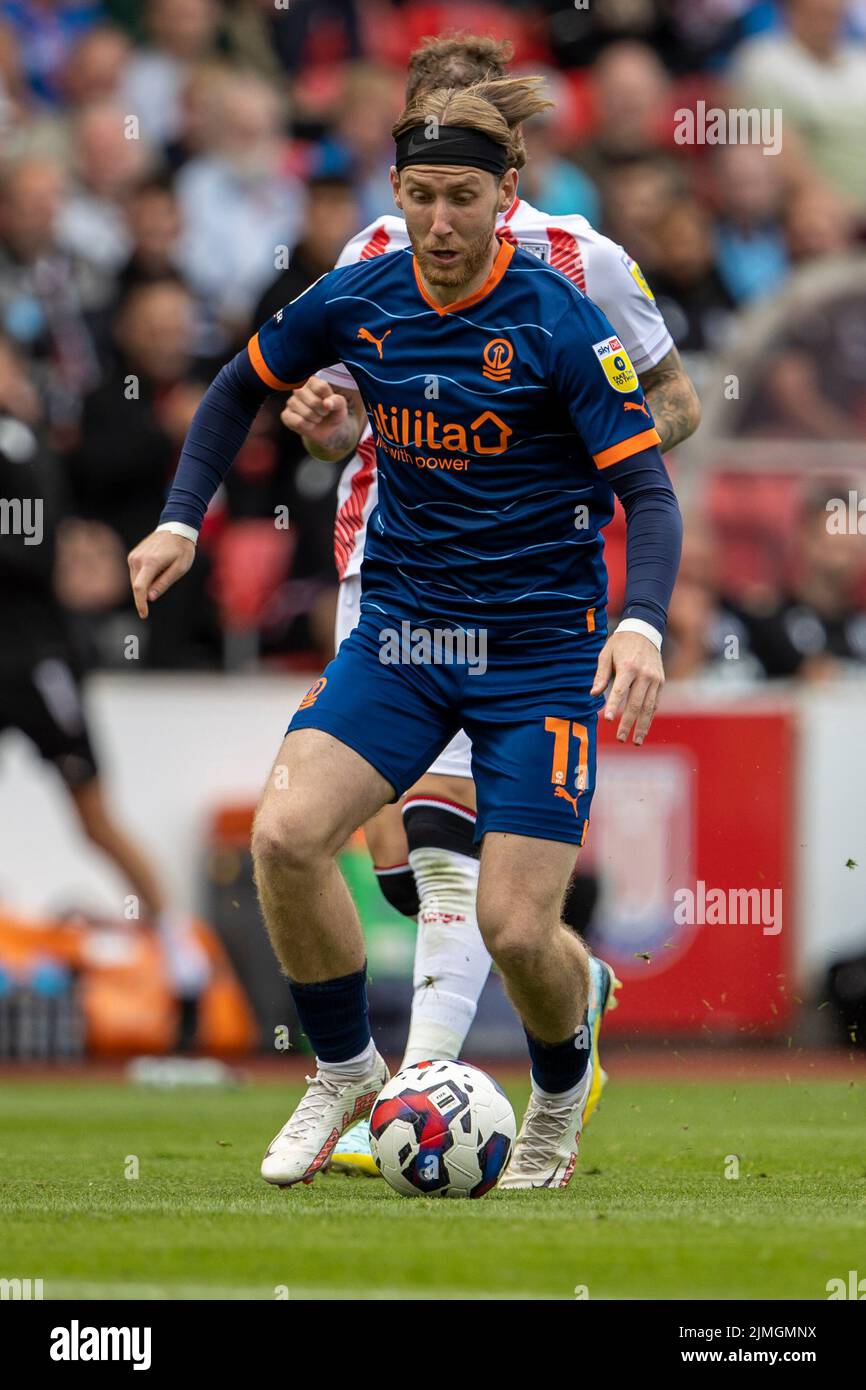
column 528, row 712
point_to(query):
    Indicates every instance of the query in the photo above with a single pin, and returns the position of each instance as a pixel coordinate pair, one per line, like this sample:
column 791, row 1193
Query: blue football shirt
column 494, row 417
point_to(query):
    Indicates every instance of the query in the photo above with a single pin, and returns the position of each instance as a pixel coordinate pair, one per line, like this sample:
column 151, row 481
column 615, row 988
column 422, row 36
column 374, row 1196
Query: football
column 442, row 1129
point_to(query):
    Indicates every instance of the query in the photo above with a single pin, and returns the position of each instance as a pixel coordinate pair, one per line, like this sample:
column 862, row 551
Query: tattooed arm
column 672, row 399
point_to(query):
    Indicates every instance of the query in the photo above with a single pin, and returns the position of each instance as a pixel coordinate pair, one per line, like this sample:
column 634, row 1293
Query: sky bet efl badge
column 637, row 275
column 616, row 364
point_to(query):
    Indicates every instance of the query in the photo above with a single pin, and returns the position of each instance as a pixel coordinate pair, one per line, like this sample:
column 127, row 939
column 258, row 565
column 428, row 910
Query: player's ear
column 395, row 186
column 507, row 189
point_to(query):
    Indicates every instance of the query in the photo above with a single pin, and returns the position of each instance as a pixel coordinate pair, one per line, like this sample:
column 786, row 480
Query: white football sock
column 451, row 961
column 355, row 1068
column 440, row 1022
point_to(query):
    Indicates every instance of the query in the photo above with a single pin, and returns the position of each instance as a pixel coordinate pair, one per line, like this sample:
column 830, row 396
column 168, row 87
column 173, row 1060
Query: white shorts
column 455, row 760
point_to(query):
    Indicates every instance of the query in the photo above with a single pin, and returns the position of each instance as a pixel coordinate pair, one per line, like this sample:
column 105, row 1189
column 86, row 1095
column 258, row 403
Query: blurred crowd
column 172, row 171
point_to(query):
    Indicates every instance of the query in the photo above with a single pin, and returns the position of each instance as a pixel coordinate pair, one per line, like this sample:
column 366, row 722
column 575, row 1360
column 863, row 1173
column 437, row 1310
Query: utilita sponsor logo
column 420, row 429
column 77, row 1343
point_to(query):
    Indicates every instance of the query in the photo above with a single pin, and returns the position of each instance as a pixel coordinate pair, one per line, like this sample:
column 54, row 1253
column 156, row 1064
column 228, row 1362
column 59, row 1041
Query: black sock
column 334, row 1015
column 559, row 1066
column 398, row 887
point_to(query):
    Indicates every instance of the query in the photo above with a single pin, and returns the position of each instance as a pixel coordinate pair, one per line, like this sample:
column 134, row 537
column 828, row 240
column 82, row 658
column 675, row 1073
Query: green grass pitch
column 649, row 1213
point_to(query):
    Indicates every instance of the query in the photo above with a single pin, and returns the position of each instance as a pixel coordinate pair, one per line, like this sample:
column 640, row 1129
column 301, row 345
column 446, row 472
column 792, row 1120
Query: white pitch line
column 119, row 1291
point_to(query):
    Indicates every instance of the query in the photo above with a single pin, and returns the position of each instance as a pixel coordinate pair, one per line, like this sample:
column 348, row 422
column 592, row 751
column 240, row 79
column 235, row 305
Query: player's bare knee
column 516, row 950
column 287, row 842
column 510, row 933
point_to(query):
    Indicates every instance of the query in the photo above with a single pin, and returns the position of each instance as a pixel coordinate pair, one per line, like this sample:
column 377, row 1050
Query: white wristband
column 645, row 629
column 179, row 528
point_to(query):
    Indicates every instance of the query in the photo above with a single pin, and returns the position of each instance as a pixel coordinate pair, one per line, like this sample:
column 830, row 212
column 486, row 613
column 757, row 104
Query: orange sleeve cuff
column 263, row 370
column 617, row 452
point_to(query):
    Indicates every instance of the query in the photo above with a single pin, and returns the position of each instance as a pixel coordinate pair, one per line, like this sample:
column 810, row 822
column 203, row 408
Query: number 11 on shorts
column 563, row 730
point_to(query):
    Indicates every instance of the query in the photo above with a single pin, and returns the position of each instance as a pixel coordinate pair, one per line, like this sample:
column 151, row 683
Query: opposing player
column 40, row 684
column 423, row 850
column 474, row 533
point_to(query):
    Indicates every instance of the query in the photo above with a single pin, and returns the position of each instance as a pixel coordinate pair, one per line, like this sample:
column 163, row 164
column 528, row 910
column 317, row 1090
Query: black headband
column 450, row 144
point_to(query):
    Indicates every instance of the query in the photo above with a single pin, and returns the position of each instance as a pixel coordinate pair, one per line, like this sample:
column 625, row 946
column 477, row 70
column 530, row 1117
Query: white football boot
column 545, row 1150
column 308, row 1138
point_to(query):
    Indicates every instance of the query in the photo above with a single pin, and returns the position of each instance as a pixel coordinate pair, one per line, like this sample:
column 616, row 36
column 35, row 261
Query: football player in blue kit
column 507, row 416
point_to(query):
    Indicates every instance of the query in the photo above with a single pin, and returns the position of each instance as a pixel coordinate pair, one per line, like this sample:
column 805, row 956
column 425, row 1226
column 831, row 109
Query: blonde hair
column 456, row 60
column 495, row 107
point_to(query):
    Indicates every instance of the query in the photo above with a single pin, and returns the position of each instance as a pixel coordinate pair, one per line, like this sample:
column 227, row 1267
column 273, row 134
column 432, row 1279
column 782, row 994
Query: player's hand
column 155, row 564
column 635, row 665
column 321, row 415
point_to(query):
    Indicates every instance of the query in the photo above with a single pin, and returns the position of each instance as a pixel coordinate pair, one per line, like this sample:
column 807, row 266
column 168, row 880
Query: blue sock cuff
column 334, row 1015
column 557, row 1066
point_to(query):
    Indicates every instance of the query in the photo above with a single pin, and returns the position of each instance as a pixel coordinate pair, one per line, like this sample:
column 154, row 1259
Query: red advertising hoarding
column 691, row 836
